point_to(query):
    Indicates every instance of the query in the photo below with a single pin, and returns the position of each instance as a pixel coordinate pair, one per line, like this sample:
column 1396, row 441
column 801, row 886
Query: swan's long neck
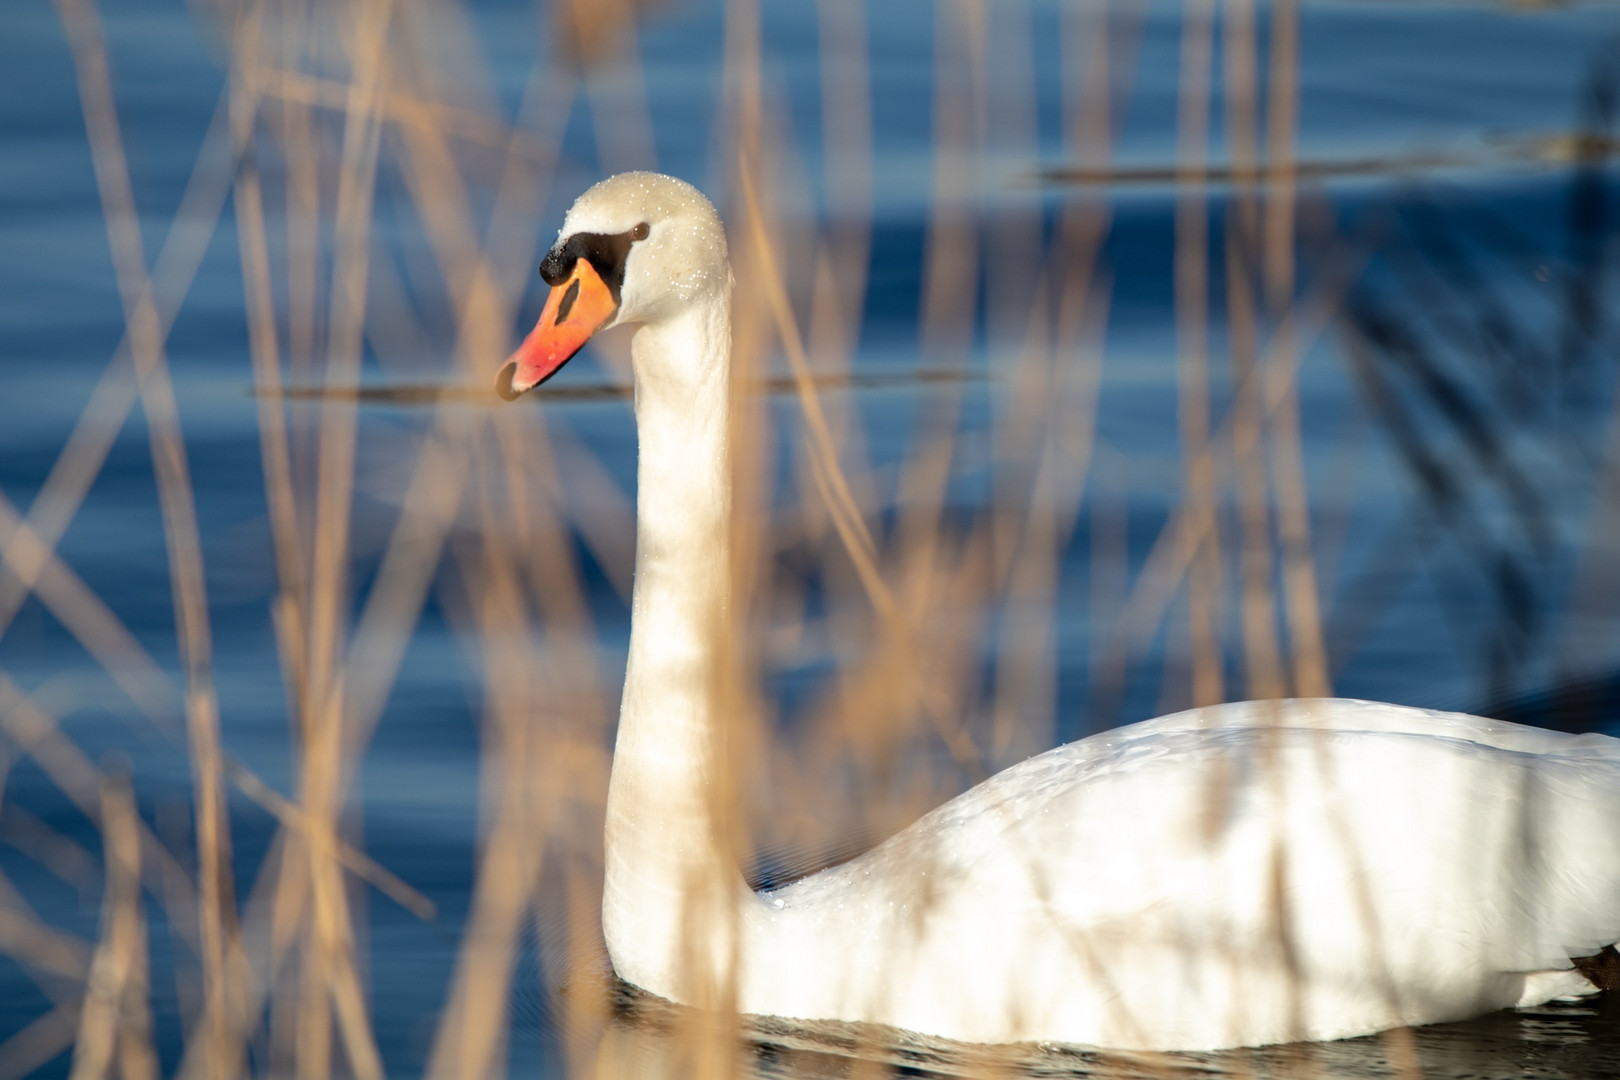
column 670, row 889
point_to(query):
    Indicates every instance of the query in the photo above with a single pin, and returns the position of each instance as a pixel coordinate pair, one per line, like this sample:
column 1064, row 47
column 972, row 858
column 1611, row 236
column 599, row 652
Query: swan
column 1240, row 874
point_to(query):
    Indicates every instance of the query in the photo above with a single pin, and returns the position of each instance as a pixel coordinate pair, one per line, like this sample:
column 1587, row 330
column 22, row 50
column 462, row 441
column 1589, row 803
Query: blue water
column 1470, row 369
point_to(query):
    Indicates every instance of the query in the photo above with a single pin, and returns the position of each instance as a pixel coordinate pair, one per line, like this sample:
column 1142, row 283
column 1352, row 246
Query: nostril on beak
column 567, row 303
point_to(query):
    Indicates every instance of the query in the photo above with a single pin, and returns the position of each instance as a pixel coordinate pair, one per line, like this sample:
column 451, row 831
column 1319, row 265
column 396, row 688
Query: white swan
column 1243, row 874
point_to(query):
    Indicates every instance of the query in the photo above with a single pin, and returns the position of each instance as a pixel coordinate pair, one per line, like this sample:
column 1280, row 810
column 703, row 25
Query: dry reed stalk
column 1580, row 647
column 468, row 1038
column 287, row 897
column 1204, row 579
column 266, row 947
column 59, row 965
column 439, row 194
column 363, row 866
column 87, row 617
column 265, row 353
column 40, row 1041
column 1023, row 274
column 831, row 459
column 1024, row 535
column 137, row 1056
column 115, row 1021
column 838, row 285
column 362, row 134
column 1264, row 677
column 830, row 481
column 34, row 732
column 27, row 938
column 1059, row 406
column 1009, row 129
column 50, row 848
column 1028, row 714
column 1282, row 123
column 752, row 149
column 580, row 985
column 950, row 273
column 332, row 983
column 467, row 1042
column 1108, row 567
column 618, row 98
column 114, row 394
column 846, row 137
column 909, row 683
column 74, row 470
column 756, row 143
column 1152, row 592
column 288, row 903
column 524, row 461
column 433, row 496
column 1301, row 603
column 300, row 147
column 293, row 87
column 216, row 904
column 484, row 976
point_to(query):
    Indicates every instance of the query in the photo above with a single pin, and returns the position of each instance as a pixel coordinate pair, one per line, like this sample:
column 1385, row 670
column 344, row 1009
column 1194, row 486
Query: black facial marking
column 605, row 252
column 567, row 304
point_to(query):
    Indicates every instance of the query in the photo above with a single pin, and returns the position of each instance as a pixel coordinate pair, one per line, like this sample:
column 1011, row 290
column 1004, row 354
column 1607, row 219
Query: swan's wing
column 1204, row 878
column 1493, row 843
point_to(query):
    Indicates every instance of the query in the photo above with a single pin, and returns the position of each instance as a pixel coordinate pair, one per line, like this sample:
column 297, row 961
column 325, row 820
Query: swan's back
column 1247, row 873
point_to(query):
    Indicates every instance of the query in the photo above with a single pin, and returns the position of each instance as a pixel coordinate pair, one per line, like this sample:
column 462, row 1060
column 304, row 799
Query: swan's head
column 636, row 248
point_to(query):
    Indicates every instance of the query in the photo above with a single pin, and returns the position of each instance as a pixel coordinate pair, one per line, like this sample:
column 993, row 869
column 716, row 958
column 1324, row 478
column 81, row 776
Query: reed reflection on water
column 1099, row 360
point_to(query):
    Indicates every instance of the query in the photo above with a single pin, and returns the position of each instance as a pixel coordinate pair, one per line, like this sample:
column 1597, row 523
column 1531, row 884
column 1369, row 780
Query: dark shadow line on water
column 425, row 393
column 1559, row 150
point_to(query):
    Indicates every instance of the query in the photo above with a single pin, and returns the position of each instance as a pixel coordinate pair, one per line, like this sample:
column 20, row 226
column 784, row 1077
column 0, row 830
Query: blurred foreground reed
column 919, row 598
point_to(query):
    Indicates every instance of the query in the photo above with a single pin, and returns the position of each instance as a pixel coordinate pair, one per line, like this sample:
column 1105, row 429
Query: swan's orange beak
column 574, row 311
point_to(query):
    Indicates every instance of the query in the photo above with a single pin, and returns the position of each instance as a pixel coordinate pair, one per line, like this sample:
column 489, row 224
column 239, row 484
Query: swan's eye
column 640, row 231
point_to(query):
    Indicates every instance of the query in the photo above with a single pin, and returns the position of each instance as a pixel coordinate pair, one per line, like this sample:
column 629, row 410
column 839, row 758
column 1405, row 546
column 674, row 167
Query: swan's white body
column 1242, row 874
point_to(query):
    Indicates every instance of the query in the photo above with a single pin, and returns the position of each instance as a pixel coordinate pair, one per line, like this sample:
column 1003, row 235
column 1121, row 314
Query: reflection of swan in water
column 640, row 1036
column 1241, row 874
